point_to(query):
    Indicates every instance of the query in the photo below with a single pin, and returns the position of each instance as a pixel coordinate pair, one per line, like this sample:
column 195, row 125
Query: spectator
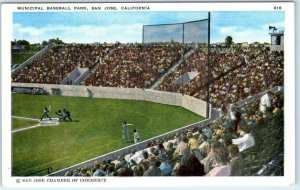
column 182, row 149
column 153, row 170
column 196, row 168
column 165, row 167
column 236, row 161
column 246, row 141
column 265, row 103
column 193, row 143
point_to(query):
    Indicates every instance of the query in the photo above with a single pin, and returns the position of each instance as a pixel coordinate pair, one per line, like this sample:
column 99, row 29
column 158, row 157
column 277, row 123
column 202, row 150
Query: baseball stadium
column 172, row 104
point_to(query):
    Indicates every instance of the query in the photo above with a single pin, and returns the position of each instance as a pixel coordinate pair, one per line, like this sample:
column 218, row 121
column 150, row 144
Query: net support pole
column 143, row 35
column 208, row 69
column 183, row 33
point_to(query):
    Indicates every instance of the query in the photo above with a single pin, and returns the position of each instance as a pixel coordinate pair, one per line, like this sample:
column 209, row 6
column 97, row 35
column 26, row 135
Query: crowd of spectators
column 53, row 66
column 136, row 65
column 261, row 70
column 218, row 148
column 221, row 62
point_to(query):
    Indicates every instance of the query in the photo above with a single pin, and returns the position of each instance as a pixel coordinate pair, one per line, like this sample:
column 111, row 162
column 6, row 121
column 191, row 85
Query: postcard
column 128, row 94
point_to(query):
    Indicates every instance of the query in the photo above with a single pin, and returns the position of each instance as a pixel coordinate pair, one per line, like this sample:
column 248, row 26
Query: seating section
column 54, row 65
column 232, row 79
column 136, row 65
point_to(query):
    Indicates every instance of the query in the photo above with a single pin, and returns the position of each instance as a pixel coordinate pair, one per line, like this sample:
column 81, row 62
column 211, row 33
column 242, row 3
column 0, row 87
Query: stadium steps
column 97, row 65
column 173, row 68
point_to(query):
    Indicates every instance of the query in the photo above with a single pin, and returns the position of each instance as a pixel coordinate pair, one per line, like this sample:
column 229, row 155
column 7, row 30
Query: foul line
column 34, row 126
column 27, row 118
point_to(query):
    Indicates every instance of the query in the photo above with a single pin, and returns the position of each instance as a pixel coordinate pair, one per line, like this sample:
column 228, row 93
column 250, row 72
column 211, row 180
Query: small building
column 277, row 41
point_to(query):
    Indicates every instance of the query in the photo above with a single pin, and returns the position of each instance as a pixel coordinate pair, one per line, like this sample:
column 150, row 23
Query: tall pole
column 143, row 35
column 208, row 69
column 183, row 33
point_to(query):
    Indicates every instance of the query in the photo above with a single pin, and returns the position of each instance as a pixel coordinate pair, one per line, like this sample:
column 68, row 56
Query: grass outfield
column 96, row 132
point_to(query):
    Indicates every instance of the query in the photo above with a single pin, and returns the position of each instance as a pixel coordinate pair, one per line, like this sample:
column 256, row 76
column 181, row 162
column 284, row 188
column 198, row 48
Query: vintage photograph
column 140, row 90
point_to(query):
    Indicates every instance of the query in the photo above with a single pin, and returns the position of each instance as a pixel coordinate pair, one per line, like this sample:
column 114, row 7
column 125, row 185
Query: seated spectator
column 165, row 167
column 207, row 131
column 170, row 150
column 246, row 141
column 221, row 166
column 153, row 170
column 196, row 168
column 124, row 171
column 236, row 161
column 139, row 170
column 121, row 162
column 193, row 143
column 182, row 148
column 213, row 158
column 184, row 170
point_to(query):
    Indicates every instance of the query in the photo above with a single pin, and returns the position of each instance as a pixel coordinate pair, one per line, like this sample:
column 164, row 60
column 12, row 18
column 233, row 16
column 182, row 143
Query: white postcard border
column 289, row 118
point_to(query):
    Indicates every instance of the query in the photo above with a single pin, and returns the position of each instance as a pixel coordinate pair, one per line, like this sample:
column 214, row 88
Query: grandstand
column 174, row 69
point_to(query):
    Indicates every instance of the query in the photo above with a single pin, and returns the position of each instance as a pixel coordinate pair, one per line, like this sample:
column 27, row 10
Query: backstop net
column 185, row 33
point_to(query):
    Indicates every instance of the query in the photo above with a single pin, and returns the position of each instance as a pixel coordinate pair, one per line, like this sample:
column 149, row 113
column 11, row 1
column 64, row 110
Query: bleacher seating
column 54, row 65
column 136, row 65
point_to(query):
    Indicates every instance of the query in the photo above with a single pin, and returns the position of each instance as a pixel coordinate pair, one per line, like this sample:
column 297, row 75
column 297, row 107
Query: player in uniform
column 60, row 115
column 125, row 131
column 45, row 114
column 136, row 136
column 67, row 115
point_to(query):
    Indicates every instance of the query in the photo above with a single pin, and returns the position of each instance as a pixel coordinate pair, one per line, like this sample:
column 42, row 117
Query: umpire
column 68, row 114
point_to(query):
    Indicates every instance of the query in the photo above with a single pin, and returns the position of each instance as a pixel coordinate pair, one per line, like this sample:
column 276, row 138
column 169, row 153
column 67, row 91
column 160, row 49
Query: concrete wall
column 190, row 103
column 193, row 104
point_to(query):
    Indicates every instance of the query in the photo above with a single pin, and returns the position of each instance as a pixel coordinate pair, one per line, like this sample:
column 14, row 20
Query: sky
column 89, row 27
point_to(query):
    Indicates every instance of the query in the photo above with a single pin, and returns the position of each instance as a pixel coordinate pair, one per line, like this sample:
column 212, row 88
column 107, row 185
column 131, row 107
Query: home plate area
column 44, row 122
column 48, row 122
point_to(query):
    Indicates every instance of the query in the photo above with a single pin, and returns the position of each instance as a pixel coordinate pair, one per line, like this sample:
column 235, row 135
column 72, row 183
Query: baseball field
column 95, row 130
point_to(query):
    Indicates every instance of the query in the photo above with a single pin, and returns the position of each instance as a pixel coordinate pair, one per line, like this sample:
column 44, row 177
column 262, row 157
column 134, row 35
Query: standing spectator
column 68, row 114
column 265, row 102
column 45, row 114
column 136, row 136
